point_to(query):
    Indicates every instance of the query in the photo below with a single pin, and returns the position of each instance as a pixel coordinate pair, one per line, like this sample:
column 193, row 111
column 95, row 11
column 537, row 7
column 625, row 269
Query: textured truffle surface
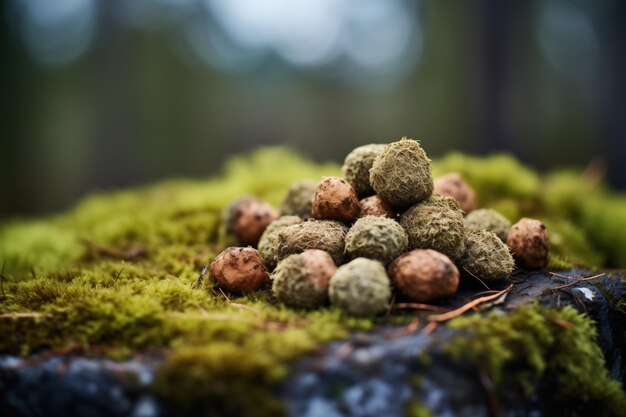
column 453, row 185
column 424, row 275
column 375, row 206
column 487, row 257
column 335, row 199
column 298, row 200
column 247, row 218
column 376, row 238
column 356, row 167
column 528, row 239
column 436, row 223
column 301, row 280
column 401, row 175
column 268, row 244
column 239, row 269
column 488, row 219
column 327, row 235
column 360, row 287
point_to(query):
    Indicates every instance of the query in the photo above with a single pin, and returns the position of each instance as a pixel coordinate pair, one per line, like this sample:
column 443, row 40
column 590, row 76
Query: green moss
column 535, row 348
column 416, row 409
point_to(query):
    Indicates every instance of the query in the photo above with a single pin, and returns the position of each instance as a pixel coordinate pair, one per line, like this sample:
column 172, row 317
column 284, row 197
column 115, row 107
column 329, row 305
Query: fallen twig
column 198, row 283
column 391, row 304
column 131, row 254
column 466, row 307
column 413, row 326
column 119, row 273
column 419, row 306
column 479, row 280
column 576, row 280
column 23, row 315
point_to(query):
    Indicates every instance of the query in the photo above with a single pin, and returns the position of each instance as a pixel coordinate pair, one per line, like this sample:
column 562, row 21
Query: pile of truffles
column 386, row 226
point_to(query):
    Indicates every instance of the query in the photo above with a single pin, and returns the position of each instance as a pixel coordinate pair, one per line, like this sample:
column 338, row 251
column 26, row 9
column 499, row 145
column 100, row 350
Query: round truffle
column 299, row 199
column 247, row 218
column 301, row 280
column 327, row 235
column 268, row 244
column 335, row 199
column 239, row 269
column 356, row 167
column 424, row 275
column 486, row 256
column 488, row 219
column 436, row 223
column 375, row 206
column 360, row 287
column 528, row 239
column 401, row 175
column 453, row 185
column 376, row 238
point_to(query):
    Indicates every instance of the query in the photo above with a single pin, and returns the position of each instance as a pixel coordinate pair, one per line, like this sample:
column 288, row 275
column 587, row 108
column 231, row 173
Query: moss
column 416, row 409
column 534, row 349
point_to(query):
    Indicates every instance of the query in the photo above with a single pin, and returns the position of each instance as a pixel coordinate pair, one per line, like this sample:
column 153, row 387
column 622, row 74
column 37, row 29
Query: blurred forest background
column 101, row 94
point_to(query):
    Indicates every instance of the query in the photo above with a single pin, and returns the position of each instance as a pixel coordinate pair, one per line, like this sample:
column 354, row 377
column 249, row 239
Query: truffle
column 299, row 199
column 453, row 185
column 375, row 206
column 335, row 199
column 376, row 238
column 360, row 287
column 301, row 280
column 356, row 167
column 327, row 235
column 528, row 239
column 247, row 218
column 486, row 256
column 268, row 244
column 488, row 219
column 401, row 174
column 424, row 274
column 239, row 269
column 436, row 223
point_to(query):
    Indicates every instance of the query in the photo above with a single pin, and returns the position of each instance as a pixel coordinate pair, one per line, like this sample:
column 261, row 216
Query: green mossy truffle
column 268, row 244
column 486, row 256
column 488, row 219
column 360, row 287
column 298, row 199
column 436, row 223
column 376, row 237
column 301, row 280
column 327, row 235
column 401, row 175
column 356, row 167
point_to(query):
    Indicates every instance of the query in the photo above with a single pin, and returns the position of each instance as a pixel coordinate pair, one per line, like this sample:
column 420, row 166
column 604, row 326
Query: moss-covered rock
column 115, row 275
column 533, row 349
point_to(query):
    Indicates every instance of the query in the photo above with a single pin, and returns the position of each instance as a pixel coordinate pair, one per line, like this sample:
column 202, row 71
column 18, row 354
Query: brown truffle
column 239, row 269
column 528, row 240
column 453, row 185
column 247, row 219
column 424, row 274
column 374, row 206
column 335, row 199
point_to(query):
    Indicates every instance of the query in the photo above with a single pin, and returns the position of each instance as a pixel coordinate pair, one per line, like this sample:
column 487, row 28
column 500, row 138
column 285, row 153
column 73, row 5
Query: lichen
column 533, row 349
